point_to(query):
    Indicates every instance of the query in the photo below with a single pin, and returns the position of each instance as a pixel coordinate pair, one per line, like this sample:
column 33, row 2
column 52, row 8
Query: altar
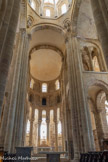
column 53, row 156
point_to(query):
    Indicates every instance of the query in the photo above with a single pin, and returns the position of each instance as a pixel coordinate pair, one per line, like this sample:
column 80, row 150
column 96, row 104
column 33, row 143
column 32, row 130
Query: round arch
column 54, row 27
column 98, row 83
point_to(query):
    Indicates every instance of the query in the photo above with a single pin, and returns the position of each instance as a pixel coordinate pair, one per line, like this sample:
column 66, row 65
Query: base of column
column 75, row 160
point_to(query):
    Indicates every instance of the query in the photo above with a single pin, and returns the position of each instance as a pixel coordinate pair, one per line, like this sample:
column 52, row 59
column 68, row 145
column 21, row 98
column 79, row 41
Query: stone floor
column 43, row 159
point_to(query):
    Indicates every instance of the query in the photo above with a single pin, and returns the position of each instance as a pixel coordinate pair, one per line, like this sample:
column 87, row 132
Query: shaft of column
column 56, row 136
column 8, row 90
column 3, row 7
column 22, row 94
column 1, row 3
column 99, row 128
column 5, row 25
column 7, row 49
column 81, row 125
column 39, row 128
column 13, row 99
column 31, row 128
column 101, row 27
column 31, row 133
column 62, row 134
column 47, row 133
column 91, row 61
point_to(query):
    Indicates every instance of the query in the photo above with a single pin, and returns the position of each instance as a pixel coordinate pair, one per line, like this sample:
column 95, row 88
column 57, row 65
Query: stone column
column 22, row 90
column 25, row 122
column 102, row 27
column 47, row 132
column 13, row 108
column 62, row 123
column 39, row 128
column 1, row 3
column 104, row 122
column 7, row 45
column 48, row 121
column 8, row 90
column 3, row 7
column 99, row 128
column 91, row 61
column 56, row 135
column 31, row 128
column 81, row 124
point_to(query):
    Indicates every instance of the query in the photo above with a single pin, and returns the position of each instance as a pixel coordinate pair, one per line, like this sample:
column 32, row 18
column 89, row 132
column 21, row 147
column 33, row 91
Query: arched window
column 63, row 8
column 48, row 13
column 33, row 5
column 49, row 1
column 43, row 126
column 106, row 107
column 59, row 128
column 57, row 84
column 95, row 64
column 44, row 87
column 31, row 83
column 43, row 101
column 28, row 127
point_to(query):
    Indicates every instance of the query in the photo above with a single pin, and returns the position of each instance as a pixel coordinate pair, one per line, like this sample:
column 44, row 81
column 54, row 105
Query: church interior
column 54, row 80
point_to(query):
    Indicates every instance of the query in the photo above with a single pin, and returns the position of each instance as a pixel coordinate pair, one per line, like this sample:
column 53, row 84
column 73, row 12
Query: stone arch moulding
column 46, row 46
column 96, row 82
column 50, row 26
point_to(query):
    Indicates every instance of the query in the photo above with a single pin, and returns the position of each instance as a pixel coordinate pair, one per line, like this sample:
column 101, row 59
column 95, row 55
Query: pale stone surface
column 70, row 48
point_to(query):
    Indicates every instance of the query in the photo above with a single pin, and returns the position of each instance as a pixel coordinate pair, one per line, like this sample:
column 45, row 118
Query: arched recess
column 46, row 46
column 99, row 83
column 42, row 46
column 92, row 57
column 97, row 92
column 53, row 27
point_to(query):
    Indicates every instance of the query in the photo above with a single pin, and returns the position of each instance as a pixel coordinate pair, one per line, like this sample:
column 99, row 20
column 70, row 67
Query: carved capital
column 23, row 31
column 67, row 25
column 30, row 21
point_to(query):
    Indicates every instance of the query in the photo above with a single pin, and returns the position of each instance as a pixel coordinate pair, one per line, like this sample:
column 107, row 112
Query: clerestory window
column 49, row 1
column 63, row 8
column 44, row 87
column 48, row 13
column 28, row 127
column 106, row 107
column 57, row 84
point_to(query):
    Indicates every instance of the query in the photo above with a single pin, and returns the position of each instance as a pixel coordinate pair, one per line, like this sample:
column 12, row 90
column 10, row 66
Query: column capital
column 39, row 121
column 47, row 121
column 55, row 121
column 23, row 30
column 69, row 35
